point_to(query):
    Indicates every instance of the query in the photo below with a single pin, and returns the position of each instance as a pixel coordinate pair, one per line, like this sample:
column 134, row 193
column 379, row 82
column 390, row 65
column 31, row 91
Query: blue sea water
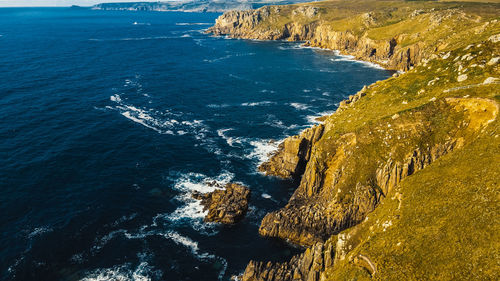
column 108, row 120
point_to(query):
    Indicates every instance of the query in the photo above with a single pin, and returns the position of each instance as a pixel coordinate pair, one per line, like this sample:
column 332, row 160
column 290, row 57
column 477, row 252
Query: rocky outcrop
column 340, row 188
column 346, row 177
column 305, row 23
column 304, row 267
column 292, row 155
column 228, row 205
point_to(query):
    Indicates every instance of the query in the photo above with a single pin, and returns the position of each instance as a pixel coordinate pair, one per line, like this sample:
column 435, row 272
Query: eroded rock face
column 304, row 267
column 228, row 205
column 390, row 53
column 347, row 176
column 292, row 155
column 339, row 189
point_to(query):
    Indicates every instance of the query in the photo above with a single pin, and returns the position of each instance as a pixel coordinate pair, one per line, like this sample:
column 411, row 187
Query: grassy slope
column 448, row 225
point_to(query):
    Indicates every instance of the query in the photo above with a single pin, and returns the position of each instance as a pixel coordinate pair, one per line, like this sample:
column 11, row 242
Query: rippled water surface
column 108, row 120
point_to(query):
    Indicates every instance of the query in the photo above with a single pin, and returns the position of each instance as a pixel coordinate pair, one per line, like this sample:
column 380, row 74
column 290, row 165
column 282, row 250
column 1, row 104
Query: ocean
column 108, row 122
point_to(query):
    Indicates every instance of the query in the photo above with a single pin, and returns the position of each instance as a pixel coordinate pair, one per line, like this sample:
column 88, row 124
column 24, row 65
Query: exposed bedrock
column 306, row 266
column 347, row 175
column 228, row 205
column 289, row 161
column 307, row 23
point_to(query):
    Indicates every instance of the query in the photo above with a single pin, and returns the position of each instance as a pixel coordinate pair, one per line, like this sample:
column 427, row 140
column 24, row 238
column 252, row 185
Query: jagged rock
column 334, row 195
column 307, row 11
column 289, row 161
column 304, row 267
column 227, row 205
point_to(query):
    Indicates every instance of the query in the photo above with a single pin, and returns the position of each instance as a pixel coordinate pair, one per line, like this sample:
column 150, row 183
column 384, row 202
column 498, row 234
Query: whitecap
column 193, row 23
column 229, row 140
column 260, row 103
column 39, row 231
column 228, row 56
column 299, row 106
column 159, row 121
column 115, row 98
column 218, row 105
column 266, row 196
column 268, row 91
column 124, row 272
column 263, row 149
column 186, row 36
column 311, row 119
column 133, row 38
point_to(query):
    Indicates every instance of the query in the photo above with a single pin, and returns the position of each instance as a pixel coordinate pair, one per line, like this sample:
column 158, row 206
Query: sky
column 60, row 3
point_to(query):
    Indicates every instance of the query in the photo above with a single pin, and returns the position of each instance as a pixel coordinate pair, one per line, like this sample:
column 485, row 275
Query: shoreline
column 320, row 156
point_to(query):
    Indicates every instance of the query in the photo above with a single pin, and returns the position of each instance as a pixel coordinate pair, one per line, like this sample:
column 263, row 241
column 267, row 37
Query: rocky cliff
column 382, row 192
column 394, row 34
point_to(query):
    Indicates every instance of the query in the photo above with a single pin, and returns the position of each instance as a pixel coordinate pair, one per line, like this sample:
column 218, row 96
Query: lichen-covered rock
column 227, row 205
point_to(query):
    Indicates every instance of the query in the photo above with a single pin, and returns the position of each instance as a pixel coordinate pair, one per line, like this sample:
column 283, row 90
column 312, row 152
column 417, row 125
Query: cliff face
column 382, row 179
column 397, row 35
column 293, row 154
column 347, row 176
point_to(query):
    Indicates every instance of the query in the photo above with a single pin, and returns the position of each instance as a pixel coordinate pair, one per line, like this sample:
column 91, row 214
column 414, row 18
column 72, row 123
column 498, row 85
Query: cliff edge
column 401, row 182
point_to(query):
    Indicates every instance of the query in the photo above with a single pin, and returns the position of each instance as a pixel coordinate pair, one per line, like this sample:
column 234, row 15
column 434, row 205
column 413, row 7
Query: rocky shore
column 227, row 205
column 360, row 172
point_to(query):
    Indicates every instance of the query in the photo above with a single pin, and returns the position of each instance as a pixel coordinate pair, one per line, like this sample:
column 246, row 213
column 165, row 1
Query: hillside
column 402, row 181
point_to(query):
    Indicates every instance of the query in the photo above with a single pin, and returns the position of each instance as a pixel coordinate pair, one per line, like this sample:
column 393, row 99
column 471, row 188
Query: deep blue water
column 106, row 126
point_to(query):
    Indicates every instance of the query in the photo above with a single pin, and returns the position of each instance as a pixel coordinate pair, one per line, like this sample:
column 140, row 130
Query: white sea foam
column 218, row 105
column 311, row 119
column 189, row 183
column 141, row 23
column 228, row 56
column 163, row 122
column 229, row 140
column 266, row 196
column 126, row 272
column 186, row 36
column 183, row 240
column 133, row 38
column 193, row 23
column 260, row 103
column 268, row 91
column 263, row 149
column 299, row 106
column 39, row 231
column 352, row 59
column 122, row 272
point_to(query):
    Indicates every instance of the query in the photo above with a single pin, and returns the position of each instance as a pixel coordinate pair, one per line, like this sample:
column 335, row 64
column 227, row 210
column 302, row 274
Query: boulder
column 227, row 205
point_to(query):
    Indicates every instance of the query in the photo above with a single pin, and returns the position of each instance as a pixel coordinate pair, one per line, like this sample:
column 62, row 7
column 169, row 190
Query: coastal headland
column 401, row 182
